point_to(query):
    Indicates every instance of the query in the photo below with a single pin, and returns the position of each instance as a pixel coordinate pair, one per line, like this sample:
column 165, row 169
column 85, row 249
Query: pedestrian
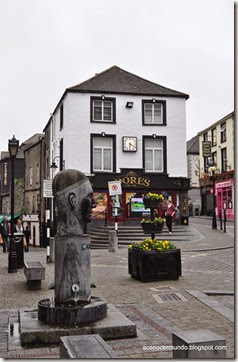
column 190, row 208
column 5, row 230
column 27, row 236
column 169, row 213
column 18, row 228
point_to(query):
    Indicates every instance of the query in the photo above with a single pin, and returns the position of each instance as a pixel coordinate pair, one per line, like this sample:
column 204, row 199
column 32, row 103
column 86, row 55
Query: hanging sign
column 206, row 148
column 114, row 188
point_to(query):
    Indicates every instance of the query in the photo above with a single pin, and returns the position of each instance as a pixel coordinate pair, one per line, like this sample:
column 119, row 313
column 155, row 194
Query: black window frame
column 214, row 136
column 61, row 163
column 61, row 116
column 145, row 101
column 110, row 99
column 164, row 139
column 223, row 133
column 99, row 135
column 223, row 160
column 205, row 136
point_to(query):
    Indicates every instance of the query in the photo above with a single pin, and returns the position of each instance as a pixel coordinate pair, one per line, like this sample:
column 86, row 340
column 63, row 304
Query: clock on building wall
column 129, row 144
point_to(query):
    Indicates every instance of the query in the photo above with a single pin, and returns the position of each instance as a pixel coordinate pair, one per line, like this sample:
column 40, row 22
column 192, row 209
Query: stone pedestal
column 200, row 344
column 72, row 267
column 113, row 241
column 52, row 250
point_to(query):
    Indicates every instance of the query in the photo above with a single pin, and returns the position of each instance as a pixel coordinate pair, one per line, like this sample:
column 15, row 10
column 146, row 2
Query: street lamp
column 213, row 178
column 13, row 145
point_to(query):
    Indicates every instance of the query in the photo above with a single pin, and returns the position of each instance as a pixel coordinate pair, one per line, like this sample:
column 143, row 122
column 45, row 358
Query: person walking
column 27, row 236
column 5, row 230
column 169, row 213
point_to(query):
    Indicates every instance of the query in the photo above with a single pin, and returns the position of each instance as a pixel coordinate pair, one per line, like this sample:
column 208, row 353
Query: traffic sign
column 114, row 188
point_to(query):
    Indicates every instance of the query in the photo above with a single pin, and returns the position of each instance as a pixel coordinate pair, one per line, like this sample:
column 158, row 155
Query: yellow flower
column 159, row 249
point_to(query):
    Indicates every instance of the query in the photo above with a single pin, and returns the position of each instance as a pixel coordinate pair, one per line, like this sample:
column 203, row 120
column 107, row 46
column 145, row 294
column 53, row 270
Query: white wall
column 77, row 129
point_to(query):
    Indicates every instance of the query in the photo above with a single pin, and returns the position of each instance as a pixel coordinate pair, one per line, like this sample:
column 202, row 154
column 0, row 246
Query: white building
column 117, row 125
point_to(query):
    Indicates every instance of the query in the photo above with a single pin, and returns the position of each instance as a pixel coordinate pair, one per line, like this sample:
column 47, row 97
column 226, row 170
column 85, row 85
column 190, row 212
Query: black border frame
column 113, row 100
column 144, row 101
column 99, row 135
column 164, row 139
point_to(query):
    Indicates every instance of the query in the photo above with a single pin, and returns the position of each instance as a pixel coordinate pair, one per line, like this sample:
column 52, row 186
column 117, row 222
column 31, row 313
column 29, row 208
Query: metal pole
column 152, row 217
column 12, row 257
column 214, row 220
column 220, row 217
column 224, row 231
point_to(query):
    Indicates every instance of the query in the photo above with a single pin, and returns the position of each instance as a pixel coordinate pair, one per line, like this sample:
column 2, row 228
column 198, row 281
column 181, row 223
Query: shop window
column 154, row 154
column 154, row 112
column 103, row 154
column 223, row 132
column 103, row 110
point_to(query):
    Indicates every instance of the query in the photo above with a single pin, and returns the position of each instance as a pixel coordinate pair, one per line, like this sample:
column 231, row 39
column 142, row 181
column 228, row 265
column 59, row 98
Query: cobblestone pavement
column 143, row 303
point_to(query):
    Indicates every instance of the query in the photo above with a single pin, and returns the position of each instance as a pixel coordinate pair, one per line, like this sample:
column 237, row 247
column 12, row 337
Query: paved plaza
column 157, row 308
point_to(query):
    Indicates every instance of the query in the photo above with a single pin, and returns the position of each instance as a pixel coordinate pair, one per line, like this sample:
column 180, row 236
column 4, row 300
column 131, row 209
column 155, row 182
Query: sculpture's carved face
column 74, row 200
column 87, row 205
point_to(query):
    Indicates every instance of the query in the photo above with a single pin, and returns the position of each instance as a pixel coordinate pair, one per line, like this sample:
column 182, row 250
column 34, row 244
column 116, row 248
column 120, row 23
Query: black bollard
column 220, row 217
column 224, row 231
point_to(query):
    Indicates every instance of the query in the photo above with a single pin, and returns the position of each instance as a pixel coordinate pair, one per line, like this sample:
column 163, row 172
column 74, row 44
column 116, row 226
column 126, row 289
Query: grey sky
column 49, row 45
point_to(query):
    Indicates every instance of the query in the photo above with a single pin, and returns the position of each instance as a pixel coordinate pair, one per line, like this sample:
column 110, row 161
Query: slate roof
column 119, row 81
column 193, row 146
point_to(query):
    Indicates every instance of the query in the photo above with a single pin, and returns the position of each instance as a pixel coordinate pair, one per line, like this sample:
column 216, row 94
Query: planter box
column 150, row 266
column 149, row 228
column 151, row 203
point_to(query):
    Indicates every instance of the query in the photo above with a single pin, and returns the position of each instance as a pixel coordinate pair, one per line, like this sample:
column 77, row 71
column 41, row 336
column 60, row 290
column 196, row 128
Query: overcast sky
column 49, row 45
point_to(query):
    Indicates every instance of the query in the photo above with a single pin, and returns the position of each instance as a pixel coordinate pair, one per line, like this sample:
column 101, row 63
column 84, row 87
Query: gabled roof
column 193, row 146
column 119, row 81
column 32, row 140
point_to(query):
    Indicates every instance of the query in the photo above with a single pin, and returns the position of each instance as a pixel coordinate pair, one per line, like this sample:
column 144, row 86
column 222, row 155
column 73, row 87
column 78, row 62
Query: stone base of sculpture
column 79, row 313
column 72, row 268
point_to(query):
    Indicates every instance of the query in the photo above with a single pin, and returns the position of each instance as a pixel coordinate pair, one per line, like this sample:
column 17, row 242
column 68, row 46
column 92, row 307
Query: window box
column 150, row 266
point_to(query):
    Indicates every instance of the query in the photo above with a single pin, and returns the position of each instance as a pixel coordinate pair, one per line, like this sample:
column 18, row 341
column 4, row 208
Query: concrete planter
column 150, row 228
column 149, row 266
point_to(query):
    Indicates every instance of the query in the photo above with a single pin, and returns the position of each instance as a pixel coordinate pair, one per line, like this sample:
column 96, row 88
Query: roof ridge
column 95, row 76
column 127, row 72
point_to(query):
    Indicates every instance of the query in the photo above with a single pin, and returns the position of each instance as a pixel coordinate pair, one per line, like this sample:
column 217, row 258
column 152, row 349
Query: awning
column 8, row 216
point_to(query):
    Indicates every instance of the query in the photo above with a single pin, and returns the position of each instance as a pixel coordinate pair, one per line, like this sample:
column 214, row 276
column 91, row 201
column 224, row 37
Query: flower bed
column 154, row 260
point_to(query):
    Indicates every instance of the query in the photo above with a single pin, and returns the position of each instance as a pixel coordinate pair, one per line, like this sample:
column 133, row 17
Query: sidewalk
column 141, row 302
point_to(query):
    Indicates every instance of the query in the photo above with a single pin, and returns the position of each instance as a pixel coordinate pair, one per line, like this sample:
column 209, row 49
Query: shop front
column 225, row 198
column 135, row 184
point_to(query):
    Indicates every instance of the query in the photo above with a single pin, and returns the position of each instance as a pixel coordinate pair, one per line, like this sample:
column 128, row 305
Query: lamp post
column 213, row 178
column 13, row 145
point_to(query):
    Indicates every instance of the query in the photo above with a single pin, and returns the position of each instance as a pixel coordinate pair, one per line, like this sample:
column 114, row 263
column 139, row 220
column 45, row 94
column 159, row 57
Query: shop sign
column 114, row 188
column 206, row 148
column 131, row 179
column 224, row 184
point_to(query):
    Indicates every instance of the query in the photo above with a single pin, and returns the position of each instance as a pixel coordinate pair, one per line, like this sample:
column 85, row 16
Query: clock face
column 129, row 144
